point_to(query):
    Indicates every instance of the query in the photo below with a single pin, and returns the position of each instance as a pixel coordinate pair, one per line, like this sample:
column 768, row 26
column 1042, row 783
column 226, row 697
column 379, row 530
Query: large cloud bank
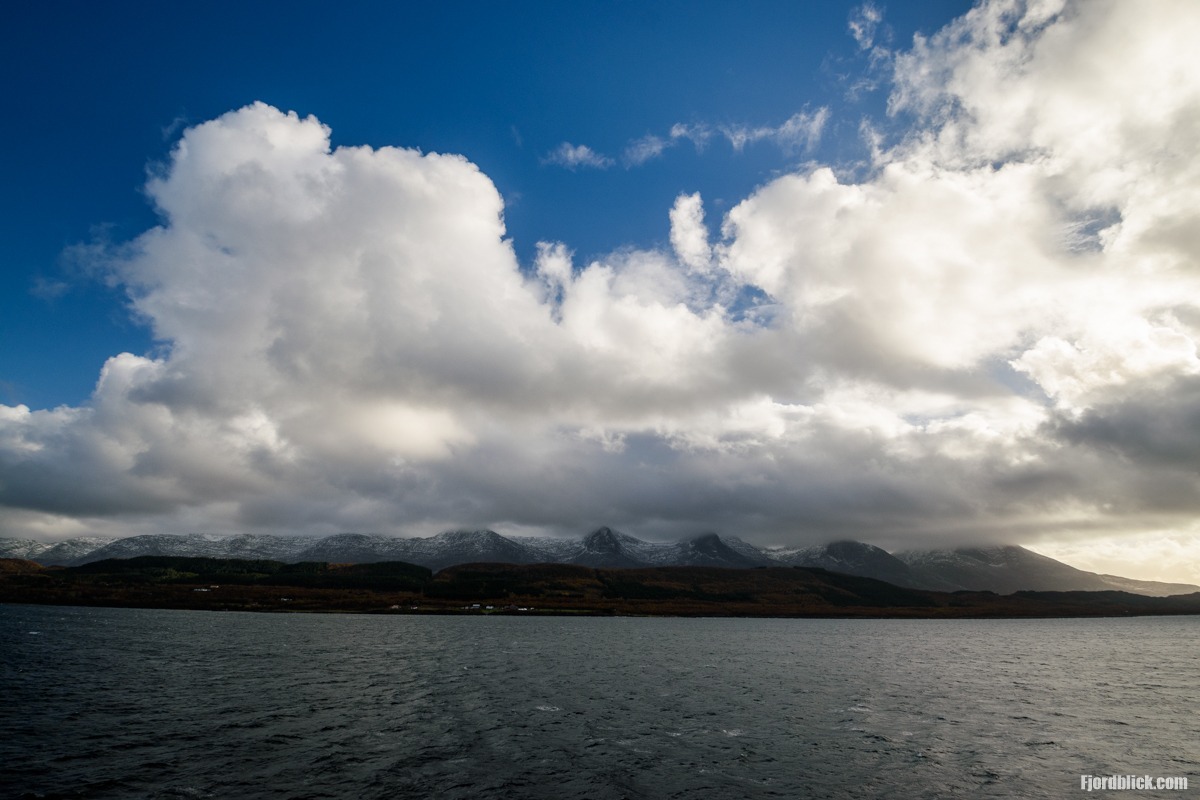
column 990, row 334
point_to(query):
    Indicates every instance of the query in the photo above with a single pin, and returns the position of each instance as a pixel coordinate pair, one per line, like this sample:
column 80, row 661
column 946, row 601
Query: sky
column 921, row 275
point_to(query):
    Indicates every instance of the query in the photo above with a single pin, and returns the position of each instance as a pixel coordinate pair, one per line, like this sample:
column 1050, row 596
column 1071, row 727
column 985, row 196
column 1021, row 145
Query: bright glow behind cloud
column 993, row 335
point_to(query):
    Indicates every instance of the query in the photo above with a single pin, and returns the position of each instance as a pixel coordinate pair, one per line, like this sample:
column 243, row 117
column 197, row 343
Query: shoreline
column 398, row 588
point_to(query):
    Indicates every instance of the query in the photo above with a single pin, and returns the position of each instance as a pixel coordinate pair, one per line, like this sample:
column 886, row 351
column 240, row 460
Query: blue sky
column 916, row 274
column 97, row 94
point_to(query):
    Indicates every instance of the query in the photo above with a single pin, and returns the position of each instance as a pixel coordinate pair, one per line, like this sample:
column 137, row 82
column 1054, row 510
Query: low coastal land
column 401, row 588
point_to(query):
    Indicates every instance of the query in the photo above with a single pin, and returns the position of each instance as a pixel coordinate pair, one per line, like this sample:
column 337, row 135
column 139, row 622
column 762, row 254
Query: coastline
column 538, row 590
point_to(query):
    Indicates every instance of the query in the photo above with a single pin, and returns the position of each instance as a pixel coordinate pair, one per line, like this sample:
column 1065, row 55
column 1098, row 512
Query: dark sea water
column 116, row 703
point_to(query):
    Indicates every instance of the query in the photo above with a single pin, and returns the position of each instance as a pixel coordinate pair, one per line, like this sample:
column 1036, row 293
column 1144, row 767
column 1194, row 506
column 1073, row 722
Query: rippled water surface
column 117, row 703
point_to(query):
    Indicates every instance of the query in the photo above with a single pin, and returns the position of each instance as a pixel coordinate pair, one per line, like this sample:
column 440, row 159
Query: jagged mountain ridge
column 607, row 548
column 1002, row 569
column 603, row 547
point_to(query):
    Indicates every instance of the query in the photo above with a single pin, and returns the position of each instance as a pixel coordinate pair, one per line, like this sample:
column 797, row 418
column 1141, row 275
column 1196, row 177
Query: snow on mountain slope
column 710, row 550
column 549, row 550
column 161, row 544
column 760, row 557
column 73, row 551
column 857, row 558
column 264, row 546
column 463, row 547
column 605, row 547
column 22, row 548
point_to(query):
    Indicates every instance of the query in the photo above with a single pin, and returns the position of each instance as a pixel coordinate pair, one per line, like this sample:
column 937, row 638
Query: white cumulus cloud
column 689, row 236
column 992, row 334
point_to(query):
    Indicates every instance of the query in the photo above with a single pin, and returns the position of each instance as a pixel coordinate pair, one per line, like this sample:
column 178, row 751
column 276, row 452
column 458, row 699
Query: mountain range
column 1002, row 569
